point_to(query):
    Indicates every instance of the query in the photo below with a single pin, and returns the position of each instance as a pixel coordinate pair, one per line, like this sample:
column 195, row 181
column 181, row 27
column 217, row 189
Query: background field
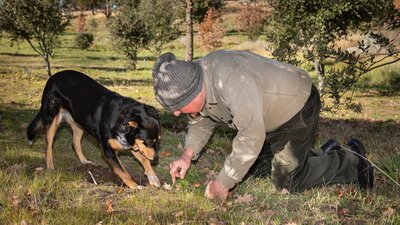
column 31, row 195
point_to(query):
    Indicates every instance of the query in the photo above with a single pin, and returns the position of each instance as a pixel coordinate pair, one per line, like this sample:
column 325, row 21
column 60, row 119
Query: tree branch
column 33, row 47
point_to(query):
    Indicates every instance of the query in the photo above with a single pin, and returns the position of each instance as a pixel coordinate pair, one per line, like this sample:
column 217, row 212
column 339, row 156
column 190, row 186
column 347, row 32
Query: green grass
column 31, row 194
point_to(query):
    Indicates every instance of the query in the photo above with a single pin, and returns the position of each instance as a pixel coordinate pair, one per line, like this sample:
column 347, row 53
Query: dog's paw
column 86, row 162
column 139, row 187
column 153, row 180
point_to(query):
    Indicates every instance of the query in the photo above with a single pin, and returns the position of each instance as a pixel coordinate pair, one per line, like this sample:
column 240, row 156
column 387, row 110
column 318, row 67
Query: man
column 273, row 106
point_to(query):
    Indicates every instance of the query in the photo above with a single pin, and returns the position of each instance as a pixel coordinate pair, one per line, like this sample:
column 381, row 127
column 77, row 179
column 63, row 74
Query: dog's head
column 138, row 129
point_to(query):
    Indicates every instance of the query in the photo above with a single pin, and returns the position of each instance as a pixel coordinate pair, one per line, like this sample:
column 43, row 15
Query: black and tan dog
column 116, row 122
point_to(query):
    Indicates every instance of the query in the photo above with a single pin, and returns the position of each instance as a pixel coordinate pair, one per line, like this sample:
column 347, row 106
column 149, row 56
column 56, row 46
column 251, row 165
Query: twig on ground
column 91, row 175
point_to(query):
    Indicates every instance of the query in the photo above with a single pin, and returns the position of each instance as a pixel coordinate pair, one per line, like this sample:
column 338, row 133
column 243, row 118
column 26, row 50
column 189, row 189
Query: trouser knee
column 289, row 177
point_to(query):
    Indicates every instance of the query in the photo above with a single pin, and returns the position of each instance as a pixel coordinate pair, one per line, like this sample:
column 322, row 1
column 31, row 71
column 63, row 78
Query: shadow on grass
column 112, row 58
column 19, row 54
column 381, row 90
column 99, row 68
column 16, row 116
column 125, row 82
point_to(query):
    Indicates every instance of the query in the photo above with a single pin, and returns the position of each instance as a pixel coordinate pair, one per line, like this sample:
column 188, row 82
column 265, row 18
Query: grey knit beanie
column 176, row 82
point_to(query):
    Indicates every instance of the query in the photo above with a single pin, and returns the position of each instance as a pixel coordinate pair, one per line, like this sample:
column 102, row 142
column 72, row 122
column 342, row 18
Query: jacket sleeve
column 199, row 132
column 244, row 97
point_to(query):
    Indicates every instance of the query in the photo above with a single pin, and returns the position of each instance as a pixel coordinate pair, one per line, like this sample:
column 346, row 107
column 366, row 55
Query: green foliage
column 84, row 40
column 140, row 24
column 129, row 32
column 39, row 22
column 391, row 166
column 160, row 19
column 311, row 29
column 386, row 79
column 67, row 195
column 200, row 8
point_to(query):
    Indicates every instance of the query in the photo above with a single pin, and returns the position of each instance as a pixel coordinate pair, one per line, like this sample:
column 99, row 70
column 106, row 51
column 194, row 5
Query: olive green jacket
column 252, row 94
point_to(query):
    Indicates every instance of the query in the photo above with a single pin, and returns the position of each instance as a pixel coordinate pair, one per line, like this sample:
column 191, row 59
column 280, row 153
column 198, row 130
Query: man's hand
column 215, row 190
column 180, row 165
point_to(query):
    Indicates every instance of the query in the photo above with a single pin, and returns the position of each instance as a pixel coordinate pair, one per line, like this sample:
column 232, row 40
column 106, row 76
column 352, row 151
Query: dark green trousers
column 288, row 156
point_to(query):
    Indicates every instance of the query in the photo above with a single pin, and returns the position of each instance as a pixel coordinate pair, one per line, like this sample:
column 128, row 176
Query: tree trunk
column 92, row 6
column 320, row 68
column 189, row 31
column 46, row 59
column 108, row 10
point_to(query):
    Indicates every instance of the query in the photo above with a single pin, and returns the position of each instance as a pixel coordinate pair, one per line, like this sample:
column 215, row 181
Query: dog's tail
column 49, row 106
column 34, row 127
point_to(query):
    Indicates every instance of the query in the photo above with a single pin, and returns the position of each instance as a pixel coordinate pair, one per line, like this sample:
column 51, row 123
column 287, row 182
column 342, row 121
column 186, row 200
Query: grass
column 30, row 194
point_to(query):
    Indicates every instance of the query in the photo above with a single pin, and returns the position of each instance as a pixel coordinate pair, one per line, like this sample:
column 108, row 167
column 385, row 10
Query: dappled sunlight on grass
column 68, row 195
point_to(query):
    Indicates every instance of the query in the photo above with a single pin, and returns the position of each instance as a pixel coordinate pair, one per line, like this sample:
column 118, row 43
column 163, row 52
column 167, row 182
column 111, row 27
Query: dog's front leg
column 148, row 169
column 112, row 160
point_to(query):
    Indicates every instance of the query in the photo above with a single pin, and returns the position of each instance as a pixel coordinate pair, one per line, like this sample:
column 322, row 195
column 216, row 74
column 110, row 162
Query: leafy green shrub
column 84, row 40
column 391, row 166
column 387, row 78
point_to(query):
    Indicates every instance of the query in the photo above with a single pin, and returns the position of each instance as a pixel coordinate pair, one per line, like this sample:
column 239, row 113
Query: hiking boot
column 364, row 167
column 330, row 145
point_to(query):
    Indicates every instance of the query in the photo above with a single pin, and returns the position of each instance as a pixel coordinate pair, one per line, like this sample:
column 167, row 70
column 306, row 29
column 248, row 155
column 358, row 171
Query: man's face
column 195, row 106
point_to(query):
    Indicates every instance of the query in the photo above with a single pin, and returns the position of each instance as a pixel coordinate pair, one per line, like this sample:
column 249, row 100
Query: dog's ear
column 151, row 110
column 135, row 120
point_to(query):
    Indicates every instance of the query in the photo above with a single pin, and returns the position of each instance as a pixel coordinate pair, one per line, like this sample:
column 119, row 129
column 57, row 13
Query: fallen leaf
column 388, row 212
column 269, row 213
column 285, row 191
column 32, row 210
column 167, row 187
column 214, row 221
column 165, row 154
column 210, row 151
column 38, row 169
column 180, row 146
column 246, row 198
column 179, row 214
column 197, row 184
column 107, row 207
column 15, row 201
column 344, row 211
column 28, row 194
column 119, row 190
column 15, row 168
column 291, row 223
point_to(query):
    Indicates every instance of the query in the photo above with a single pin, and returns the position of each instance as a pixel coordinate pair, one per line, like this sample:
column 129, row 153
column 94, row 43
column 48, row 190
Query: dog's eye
column 124, row 128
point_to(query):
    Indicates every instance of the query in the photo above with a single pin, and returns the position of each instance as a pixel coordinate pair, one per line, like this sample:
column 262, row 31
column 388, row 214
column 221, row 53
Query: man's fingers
column 173, row 179
column 182, row 173
column 173, row 172
column 178, row 170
